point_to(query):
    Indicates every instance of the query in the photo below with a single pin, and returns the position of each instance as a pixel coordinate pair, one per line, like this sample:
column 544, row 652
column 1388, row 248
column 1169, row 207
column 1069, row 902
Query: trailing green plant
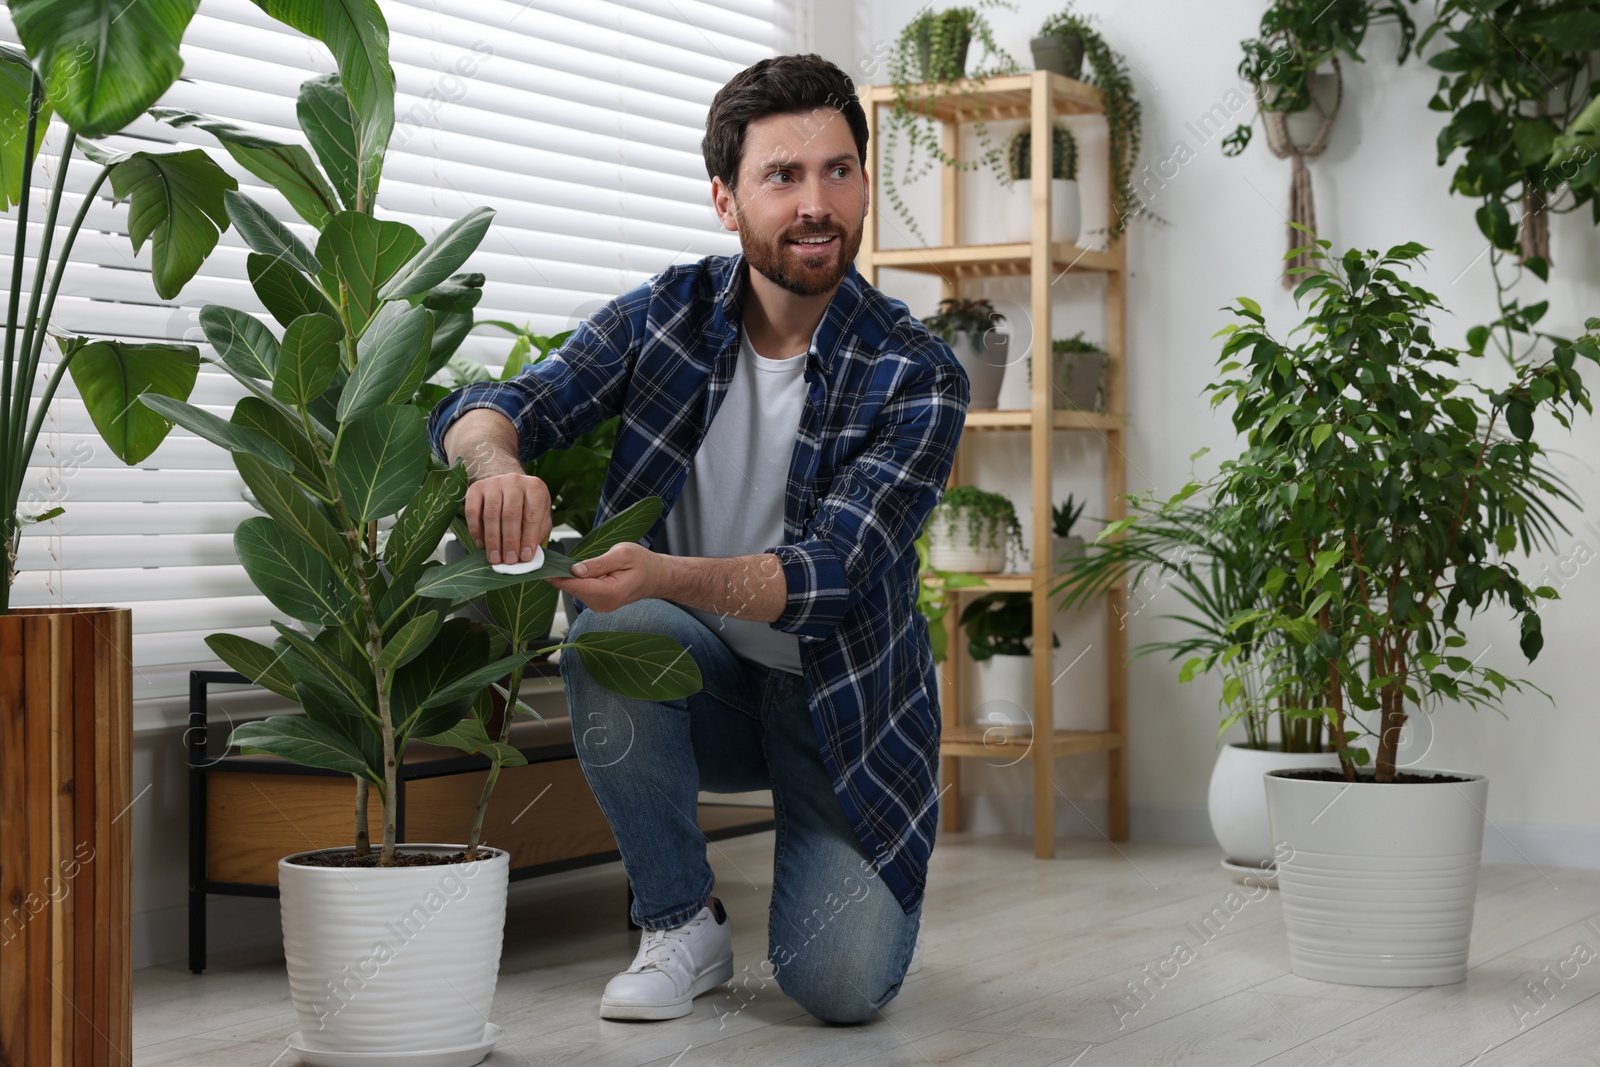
column 990, row 518
column 1108, row 70
column 94, row 69
column 975, row 318
column 1063, row 154
column 1001, row 624
column 1520, row 88
column 1064, row 515
column 1398, row 490
column 1296, row 39
column 1063, row 346
column 936, row 594
column 921, row 86
column 331, row 441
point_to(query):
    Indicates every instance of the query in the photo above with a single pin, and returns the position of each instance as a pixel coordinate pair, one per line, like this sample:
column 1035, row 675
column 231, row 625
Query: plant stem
column 363, row 839
column 17, row 464
column 494, row 769
column 32, row 322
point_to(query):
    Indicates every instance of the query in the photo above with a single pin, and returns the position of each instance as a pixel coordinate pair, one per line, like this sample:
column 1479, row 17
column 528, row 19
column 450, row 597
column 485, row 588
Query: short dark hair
column 776, row 86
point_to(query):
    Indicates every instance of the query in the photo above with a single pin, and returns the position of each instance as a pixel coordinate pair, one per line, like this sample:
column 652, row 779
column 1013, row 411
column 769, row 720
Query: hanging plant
column 1108, row 71
column 928, row 60
column 989, row 516
column 1063, row 155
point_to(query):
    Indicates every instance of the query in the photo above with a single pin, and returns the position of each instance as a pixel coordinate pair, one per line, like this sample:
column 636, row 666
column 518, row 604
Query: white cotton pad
column 522, row 568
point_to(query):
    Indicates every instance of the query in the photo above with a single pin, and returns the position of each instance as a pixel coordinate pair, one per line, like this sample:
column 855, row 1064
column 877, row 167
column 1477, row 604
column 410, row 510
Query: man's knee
column 835, row 995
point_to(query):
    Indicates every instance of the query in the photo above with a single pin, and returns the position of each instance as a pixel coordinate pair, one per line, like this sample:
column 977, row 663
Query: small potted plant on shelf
column 973, row 330
column 330, row 438
column 970, row 530
column 928, row 63
column 1058, row 46
column 1401, row 493
column 1082, row 368
column 1064, row 544
column 999, row 628
column 1065, row 208
column 936, row 593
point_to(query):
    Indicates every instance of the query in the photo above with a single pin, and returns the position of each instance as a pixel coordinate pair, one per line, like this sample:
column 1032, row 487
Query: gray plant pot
column 925, row 57
column 984, row 360
column 1085, row 380
column 1058, row 55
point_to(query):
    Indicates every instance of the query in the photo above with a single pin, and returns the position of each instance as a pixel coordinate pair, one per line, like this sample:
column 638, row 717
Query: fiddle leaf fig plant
column 331, row 441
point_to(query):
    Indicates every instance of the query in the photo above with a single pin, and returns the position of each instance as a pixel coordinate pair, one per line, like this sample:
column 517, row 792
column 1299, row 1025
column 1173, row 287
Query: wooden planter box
column 66, row 863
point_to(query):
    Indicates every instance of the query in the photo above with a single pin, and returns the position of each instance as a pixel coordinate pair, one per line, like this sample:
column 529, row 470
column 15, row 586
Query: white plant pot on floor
column 395, row 962
column 1378, row 881
column 1066, row 212
column 1237, row 801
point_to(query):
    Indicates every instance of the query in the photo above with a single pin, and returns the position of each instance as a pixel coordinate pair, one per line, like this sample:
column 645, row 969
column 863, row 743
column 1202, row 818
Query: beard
column 777, row 260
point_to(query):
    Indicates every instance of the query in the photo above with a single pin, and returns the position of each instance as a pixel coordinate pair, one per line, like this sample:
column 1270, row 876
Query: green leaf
column 303, row 741
column 286, row 167
column 453, row 653
column 1564, row 31
column 103, row 62
column 358, row 36
column 290, row 573
column 423, row 523
column 641, row 665
column 524, row 611
column 1249, row 305
column 16, row 98
column 382, row 460
column 286, row 502
column 176, row 202
column 390, row 347
column 408, row 641
column 204, row 424
column 284, row 291
column 263, row 233
column 335, row 664
column 627, row 525
column 307, row 360
column 257, row 662
column 443, row 255
column 112, row 375
column 469, row 736
column 472, row 576
column 1319, row 434
column 242, row 341
column 1533, row 139
column 365, row 252
column 271, row 421
column 1519, row 417
column 330, row 125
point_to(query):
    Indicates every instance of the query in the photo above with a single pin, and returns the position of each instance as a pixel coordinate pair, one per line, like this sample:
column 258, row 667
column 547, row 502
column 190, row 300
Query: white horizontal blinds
column 579, row 121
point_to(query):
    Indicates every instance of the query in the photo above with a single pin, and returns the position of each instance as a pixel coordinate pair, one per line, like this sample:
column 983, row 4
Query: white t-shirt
column 732, row 500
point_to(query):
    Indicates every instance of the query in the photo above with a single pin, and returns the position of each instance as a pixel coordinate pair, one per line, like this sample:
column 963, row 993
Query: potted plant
column 1065, row 545
column 1219, row 568
column 331, row 441
column 928, row 63
column 92, row 72
column 970, row 529
column 1400, row 492
column 1058, row 46
column 936, row 594
column 999, row 629
column 1083, row 373
column 1108, row 71
column 972, row 329
column 1065, row 209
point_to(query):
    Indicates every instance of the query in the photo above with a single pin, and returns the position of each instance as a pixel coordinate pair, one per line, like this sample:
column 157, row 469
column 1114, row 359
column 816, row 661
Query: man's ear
column 722, row 204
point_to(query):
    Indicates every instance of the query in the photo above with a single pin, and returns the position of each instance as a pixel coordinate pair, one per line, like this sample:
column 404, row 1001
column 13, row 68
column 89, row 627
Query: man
column 799, row 425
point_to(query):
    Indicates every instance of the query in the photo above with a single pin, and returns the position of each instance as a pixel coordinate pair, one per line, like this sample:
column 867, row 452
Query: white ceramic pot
column 951, row 546
column 1237, row 799
column 1066, row 212
column 1378, row 881
column 394, row 960
column 1004, row 691
column 1069, row 547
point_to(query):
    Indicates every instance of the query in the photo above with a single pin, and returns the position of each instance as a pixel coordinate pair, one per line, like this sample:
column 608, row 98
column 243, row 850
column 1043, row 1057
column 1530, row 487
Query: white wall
column 1377, row 185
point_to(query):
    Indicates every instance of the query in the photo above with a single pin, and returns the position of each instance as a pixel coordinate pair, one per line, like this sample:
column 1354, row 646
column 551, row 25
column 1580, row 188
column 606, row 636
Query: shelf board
column 992, row 261
column 1022, row 419
column 995, row 583
column 1016, row 742
column 1009, row 96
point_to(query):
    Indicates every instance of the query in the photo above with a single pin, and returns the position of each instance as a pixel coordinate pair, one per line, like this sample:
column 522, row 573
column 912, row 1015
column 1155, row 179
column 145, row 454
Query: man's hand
column 620, row 575
column 508, row 512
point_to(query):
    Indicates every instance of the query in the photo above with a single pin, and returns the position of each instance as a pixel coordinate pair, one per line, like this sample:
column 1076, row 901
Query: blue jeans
column 837, row 937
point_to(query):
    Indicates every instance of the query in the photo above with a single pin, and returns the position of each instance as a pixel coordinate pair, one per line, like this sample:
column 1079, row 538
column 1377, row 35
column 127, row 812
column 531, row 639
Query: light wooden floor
column 1027, row 962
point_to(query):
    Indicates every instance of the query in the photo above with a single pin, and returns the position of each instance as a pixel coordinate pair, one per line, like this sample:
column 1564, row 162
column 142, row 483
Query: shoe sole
column 669, row 1009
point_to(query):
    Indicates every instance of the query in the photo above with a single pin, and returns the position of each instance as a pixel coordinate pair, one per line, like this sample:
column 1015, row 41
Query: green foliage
column 1001, row 624
column 925, row 66
column 989, row 516
column 955, row 316
column 1063, row 154
column 936, row 596
column 1064, row 514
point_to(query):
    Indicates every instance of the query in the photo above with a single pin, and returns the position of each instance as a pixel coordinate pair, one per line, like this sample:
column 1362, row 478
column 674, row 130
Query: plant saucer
column 460, row 1056
column 1248, row 874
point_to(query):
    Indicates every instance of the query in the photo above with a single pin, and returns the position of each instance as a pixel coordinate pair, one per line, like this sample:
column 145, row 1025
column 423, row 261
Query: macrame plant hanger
column 1302, row 208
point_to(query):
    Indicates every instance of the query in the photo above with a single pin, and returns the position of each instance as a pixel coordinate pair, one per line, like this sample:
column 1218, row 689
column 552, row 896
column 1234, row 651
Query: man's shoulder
column 885, row 328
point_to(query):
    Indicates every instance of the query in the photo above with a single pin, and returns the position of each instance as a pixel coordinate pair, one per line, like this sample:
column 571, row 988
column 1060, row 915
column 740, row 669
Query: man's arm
column 508, row 512
column 744, row 587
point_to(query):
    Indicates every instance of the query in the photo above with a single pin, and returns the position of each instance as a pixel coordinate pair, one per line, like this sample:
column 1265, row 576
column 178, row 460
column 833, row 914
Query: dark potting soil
column 1400, row 778
column 401, row 858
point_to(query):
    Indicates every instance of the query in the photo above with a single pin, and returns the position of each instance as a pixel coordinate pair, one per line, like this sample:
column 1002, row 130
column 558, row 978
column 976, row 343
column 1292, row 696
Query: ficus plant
column 92, row 68
column 331, row 441
column 1398, row 489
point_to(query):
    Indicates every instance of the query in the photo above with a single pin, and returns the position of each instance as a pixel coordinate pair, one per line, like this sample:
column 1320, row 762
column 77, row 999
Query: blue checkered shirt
column 885, row 405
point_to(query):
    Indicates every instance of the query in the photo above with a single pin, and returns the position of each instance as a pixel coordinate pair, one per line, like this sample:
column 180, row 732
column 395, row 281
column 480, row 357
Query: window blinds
column 579, row 121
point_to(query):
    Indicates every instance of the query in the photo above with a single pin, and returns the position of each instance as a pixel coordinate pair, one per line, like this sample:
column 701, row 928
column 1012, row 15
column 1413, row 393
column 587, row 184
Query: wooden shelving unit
column 1039, row 96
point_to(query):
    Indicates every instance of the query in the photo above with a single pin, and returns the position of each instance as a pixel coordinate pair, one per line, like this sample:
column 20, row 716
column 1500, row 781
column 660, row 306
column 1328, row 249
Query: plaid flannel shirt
column 885, row 406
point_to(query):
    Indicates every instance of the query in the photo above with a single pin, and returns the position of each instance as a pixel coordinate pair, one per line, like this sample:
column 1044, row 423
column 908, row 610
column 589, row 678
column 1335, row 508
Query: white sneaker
column 672, row 968
column 916, row 956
